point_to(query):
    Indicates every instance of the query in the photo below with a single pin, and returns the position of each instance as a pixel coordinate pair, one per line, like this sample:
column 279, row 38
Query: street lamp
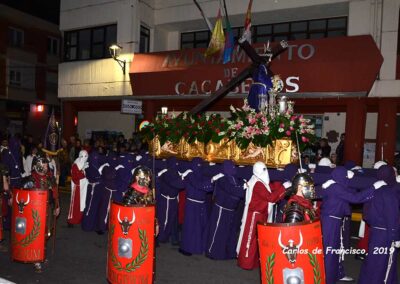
column 164, row 110
column 115, row 51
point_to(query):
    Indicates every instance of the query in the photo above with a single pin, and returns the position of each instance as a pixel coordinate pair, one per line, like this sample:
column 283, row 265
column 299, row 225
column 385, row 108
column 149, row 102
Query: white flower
column 280, row 129
column 232, row 108
column 221, row 133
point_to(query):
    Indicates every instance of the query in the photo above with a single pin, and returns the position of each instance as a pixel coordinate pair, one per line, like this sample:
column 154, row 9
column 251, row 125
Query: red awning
column 332, row 65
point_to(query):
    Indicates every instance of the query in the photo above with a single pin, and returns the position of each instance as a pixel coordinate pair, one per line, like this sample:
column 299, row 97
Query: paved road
column 80, row 257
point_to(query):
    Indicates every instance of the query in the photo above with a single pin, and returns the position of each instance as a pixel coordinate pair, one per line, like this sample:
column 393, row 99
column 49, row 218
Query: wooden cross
column 256, row 59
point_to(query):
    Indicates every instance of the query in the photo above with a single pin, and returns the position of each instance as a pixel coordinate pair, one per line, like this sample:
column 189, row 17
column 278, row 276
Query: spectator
column 65, row 162
column 340, row 150
column 28, row 161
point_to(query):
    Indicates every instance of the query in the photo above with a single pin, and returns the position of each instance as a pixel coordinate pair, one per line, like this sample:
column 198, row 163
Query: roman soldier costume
column 299, row 207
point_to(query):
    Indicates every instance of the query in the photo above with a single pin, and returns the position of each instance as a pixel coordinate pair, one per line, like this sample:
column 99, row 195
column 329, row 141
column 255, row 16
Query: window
column 15, row 77
column 52, row 45
column 195, row 39
column 309, row 29
column 16, row 37
column 144, row 39
column 90, row 43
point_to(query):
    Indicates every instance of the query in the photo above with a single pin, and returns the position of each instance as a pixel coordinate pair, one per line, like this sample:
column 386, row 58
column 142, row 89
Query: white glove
column 138, row 158
column 301, row 170
column 328, row 183
column 186, row 173
column 102, row 167
column 211, row 164
column 398, row 179
column 280, row 169
column 396, row 244
column 287, row 184
column 350, row 174
column 312, row 166
column 379, row 184
column 217, row 177
column 119, row 167
column 86, row 165
column 356, row 168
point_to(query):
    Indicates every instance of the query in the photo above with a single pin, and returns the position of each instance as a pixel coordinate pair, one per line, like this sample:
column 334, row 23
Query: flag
column 229, row 39
column 51, row 144
column 217, row 37
column 247, row 25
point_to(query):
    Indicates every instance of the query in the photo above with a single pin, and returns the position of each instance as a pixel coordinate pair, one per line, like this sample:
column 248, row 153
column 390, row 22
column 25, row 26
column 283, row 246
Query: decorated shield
column 28, row 225
column 130, row 256
column 291, row 253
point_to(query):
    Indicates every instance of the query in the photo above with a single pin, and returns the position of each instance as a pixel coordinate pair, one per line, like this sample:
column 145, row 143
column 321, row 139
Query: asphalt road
column 80, row 257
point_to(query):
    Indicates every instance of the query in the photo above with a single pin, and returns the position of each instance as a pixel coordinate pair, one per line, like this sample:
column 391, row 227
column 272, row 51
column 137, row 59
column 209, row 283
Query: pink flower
column 304, row 139
column 282, row 125
column 288, row 133
column 293, row 118
column 291, row 128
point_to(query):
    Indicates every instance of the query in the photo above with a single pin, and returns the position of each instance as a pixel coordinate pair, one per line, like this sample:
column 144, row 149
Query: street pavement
column 80, row 257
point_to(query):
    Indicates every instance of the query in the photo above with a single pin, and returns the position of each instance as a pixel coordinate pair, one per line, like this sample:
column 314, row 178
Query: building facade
column 340, row 67
column 29, row 57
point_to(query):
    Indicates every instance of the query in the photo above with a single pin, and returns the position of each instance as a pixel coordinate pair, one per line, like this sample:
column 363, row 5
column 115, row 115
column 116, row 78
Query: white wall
column 93, row 78
column 105, row 120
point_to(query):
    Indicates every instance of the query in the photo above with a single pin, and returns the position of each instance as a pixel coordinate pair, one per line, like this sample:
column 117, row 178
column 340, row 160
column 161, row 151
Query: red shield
column 130, row 256
column 291, row 252
column 28, row 225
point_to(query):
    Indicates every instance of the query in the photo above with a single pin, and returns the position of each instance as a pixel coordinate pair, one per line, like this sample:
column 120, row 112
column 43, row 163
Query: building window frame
column 53, row 45
column 144, row 44
column 14, row 77
column 277, row 32
column 96, row 47
column 16, row 37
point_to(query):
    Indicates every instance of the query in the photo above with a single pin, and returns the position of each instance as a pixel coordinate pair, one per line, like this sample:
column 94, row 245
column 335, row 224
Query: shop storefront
column 332, row 75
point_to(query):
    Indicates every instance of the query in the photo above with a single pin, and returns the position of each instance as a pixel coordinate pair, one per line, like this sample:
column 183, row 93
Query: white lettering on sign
column 208, row 86
column 185, row 58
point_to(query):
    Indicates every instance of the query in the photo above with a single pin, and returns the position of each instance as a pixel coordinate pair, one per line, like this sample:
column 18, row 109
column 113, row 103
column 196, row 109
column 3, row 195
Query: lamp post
column 115, row 51
column 164, row 110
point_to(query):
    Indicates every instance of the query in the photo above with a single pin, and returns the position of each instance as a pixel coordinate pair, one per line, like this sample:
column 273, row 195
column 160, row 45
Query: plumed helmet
column 142, row 175
column 38, row 163
column 260, row 170
column 307, row 185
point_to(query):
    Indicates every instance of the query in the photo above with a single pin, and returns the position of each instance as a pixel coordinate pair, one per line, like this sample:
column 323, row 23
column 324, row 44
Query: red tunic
column 75, row 213
column 257, row 213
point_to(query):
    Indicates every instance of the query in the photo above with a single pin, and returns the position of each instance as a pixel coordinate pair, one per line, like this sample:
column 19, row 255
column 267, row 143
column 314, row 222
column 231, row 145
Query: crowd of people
column 212, row 209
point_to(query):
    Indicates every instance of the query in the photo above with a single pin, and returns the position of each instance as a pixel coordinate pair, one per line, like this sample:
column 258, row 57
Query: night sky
column 46, row 9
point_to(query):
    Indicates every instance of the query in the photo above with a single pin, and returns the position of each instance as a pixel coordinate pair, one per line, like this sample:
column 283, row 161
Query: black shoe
column 100, row 232
column 70, row 225
column 185, row 252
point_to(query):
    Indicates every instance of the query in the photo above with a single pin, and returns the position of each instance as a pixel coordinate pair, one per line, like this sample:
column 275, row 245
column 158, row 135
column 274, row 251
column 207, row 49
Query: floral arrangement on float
column 269, row 135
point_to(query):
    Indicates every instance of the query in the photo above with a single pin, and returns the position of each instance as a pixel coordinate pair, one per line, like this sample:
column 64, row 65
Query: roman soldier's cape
column 51, row 143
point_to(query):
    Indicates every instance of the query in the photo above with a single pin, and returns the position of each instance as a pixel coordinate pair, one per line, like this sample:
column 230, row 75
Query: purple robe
column 169, row 184
column 382, row 214
column 123, row 175
column 108, row 181
column 95, row 191
column 335, row 206
column 223, row 230
column 196, row 216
